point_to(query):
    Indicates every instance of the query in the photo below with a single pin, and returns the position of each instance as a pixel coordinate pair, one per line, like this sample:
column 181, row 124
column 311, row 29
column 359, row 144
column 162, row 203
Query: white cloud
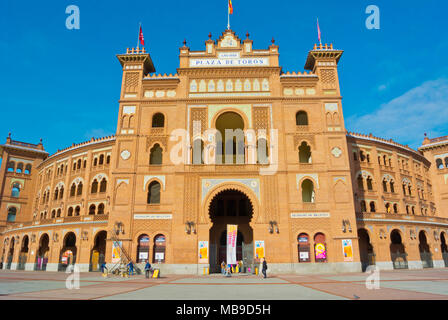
column 407, row 117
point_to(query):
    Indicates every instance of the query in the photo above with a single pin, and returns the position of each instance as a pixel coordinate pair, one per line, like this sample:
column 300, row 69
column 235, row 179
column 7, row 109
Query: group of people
column 226, row 270
column 130, row 267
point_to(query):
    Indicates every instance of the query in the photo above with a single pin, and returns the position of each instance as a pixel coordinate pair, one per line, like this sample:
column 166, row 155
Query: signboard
column 143, row 255
column 231, row 243
column 203, row 251
column 298, row 215
column 159, row 216
column 304, row 256
column 159, row 256
column 116, row 251
column 67, row 257
column 347, row 250
column 233, row 62
column 259, row 250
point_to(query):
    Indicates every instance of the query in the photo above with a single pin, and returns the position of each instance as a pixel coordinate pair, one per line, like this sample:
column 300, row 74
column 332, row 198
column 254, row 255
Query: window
column 12, row 211
column 79, row 191
column 158, row 120
column 159, row 249
column 363, row 206
column 303, row 247
column 155, row 155
column 143, row 248
column 369, row 184
column 320, row 250
column 101, row 160
column 19, row 168
column 56, row 194
column 92, row 209
column 301, row 118
column 28, row 169
column 395, row 208
column 407, row 209
column 95, row 162
column 103, row 185
column 11, row 166
column 360, row 182
column 154, row 193
column 384, row 185
column 304, row 153
column 362, row 157
column 79, row 164
column 94, row 188
column 446, row 162
column 413, row 210
column 388, row 209
column 108, row 159
column 372, row 207
column 77, row 210
column 61, row 192
column 53, row 214
column 198, row 147
column 58, row 213
column 70, row 212
column 308, row 191
column 101, row 208
column 15, row 192
column 392, row 188
column 262, row 151
column 73, row 190
column 355, row 156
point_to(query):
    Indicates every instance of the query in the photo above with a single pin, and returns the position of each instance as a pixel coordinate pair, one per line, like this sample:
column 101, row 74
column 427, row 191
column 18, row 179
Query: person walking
column 264, row 268
column 131, row 268
column 147, row 268
column 103, row 267
column 223, row 267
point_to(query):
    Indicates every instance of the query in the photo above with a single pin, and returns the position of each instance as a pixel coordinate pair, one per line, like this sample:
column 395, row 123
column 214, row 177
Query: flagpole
column 138, row 38
column 228, row 15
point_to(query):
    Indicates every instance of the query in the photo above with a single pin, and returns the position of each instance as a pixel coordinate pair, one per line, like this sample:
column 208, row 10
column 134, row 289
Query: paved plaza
column 394, row 285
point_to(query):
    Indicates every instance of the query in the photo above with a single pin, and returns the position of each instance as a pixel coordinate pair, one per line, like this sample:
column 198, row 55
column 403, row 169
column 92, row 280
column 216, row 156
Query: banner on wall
column 321, row 252
column 347, row 250
column 231, row 243
column 203, row 251
column 116, row 251
column 259, row 249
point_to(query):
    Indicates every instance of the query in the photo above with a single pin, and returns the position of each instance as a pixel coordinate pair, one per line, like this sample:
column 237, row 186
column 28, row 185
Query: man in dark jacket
column 264, row 268
column 147, row 268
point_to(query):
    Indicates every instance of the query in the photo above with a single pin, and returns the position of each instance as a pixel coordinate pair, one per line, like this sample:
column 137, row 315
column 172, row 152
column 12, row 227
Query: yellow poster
column 203, row 251
column 347, row 250
column 259, row 249
column 116, row 251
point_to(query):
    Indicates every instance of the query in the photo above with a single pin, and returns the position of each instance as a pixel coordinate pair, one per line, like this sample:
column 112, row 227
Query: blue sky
column 63, row 85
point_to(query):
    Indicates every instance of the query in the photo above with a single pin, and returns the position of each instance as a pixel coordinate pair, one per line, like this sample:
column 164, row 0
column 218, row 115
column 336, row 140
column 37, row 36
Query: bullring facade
column 228, row 139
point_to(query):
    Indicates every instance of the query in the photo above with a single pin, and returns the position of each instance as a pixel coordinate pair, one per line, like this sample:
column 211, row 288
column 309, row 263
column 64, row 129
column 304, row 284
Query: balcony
column 402, row 217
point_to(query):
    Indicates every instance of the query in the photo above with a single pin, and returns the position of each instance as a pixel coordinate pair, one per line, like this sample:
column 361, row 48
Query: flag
column 318, row 31
column 140, row 37
column 230, row 7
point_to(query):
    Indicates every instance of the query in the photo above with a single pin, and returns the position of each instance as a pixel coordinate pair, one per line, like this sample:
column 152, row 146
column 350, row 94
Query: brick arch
column 205, row 217
column 230, row 109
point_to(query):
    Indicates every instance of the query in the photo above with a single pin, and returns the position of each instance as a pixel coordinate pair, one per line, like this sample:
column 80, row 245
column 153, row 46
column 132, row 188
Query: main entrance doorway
column 230, row 207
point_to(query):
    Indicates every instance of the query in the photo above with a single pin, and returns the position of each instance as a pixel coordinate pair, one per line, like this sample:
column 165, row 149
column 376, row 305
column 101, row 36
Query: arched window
column 355, row 156
column 158, row 120
column 70, row 212
column 320, row 248
column 77, row 210
column 392, row 187
column 61, row 192
column 95, row 162
column 368, row 158
column 372, row 207
column 28, row 169
column 304, row 153
column 301, row 118
column 143, row 248
column 103, row 185
column 101, row 160
column 230, row 140
column 446, row 162
column 363, row 206
column 407, row 209
column 15, row 191
column 11, row 166
column 395, row 208
column 410, row 190
column 84, row 164
column 101, row 208
column 362, row 157
column 92, row 209
column 19, row 168
column 79, row 164
column 156, row 155
column 153, row 193
column 388, row 209
column 304, row 247
column 74, row 166
column 369, row 184
column 12, row 211
column 413, row 210
column 53, row 214
column 404, row 188
column 108, row 159
column 384, row 185
column 360, row 182
column 159, row 249
column 79, row 191
column 308, row 191
column 94, row 188
column 73, row 190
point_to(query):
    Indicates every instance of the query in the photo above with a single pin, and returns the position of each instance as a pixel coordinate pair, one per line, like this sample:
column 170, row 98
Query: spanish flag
column 230, row 7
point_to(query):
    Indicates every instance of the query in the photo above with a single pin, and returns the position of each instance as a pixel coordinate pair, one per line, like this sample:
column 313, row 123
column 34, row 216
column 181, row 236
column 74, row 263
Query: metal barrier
column 426, row 258
column 399, row 260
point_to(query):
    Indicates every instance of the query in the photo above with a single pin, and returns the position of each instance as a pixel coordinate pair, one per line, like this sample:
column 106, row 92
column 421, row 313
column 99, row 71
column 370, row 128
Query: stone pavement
column 394, row 285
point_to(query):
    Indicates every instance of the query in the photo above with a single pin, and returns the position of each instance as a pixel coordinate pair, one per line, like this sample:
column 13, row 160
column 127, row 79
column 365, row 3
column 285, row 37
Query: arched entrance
column 159, row 249
column 397, row 251
column 97, row 256
column 230, row 207
column 444, row 248
column 143, row 248
column 425, row 251
column 365, row 249
column 68, row 252
column 23, row 253
column 10, row 253
column 42, row 253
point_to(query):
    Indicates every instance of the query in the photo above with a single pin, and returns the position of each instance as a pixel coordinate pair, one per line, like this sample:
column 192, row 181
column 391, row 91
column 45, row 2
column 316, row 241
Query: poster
column 143, row 255
column 203, row 251
column 347, row 250
column 160, row 256
column 259, row 250
column 116, row 251
column 321, row 253
column 231, row 243
column 304, row 256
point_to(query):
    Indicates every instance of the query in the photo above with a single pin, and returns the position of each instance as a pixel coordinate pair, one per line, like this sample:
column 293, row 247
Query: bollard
column 256, row 270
